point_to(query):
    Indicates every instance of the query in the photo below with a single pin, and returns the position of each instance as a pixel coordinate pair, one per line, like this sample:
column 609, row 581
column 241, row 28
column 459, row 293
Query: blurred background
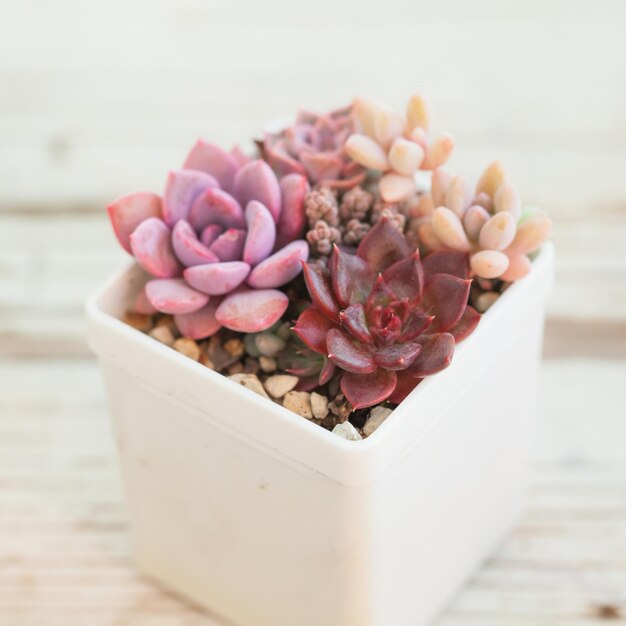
column 98, row 99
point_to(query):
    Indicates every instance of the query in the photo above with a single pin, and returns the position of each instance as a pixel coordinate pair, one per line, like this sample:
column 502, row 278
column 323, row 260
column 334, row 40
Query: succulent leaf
column 352, row 278
column 363, row 390
column 312, row 328
column 201, row 323
column 466, row 325
column 445, row 297
column 281, row 267
column 152, row 248
column 447, row 262
column 188, row 248
column 436, row 355
column 215, row 206
column 353, row 319
column 228, row 246
column 383, row 246
column 404, row 386
column 397, row 356
column 252, row 311
column 209, row 158
column 261, row 233
column 217, row 279
column 292, row 217
column 348, row 354
column 256, row 181
column 174, row 296
column 489, row 263
column 405, row 278
column 318, row 283
column 181, row 190
column 127, row 212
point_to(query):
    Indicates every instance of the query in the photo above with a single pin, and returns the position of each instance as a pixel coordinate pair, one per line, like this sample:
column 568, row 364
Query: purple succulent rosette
column 219, row 244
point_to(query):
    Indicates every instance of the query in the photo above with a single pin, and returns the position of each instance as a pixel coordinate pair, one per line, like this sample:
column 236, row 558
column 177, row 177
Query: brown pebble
column 139, row 321
column 251, row 366
column 206, row 361
column 188, row 347
column 162, row 334
column 168, row 320
column 319, row 405
column 278, row 385
column 299, row 402
column 268, row 364
column 250, row 381
column 235, row 348
column 235, row 368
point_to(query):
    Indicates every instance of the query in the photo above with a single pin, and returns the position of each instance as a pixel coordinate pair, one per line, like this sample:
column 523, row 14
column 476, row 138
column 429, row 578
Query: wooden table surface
column 97, row 99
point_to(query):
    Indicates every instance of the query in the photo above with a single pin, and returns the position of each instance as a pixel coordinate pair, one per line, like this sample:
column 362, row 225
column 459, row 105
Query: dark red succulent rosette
column 384, row 317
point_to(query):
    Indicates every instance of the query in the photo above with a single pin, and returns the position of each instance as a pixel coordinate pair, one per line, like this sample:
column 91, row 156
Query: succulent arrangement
column 318, row 272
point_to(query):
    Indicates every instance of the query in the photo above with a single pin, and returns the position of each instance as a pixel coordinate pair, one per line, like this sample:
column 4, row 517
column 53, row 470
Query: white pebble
column 280, row 384
column 376, row 417
column 299, row 402
column 250, row 381
column 319, row 405
column 347, row 431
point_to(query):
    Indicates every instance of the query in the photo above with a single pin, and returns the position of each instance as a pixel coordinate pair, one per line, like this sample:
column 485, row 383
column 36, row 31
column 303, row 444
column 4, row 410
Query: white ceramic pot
column 269, row 520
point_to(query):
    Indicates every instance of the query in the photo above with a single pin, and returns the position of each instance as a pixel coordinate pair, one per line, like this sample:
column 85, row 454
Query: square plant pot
column 267, row 519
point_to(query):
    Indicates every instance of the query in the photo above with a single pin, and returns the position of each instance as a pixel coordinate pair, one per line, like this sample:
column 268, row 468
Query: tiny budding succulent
column 486, row 221
column 396, row 145
column 219, row 244
column 385, row 318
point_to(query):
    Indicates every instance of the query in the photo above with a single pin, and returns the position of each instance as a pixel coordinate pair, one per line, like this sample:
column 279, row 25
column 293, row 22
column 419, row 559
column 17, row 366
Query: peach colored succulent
column 396, row 145
column 219, row 244
column 485, row 221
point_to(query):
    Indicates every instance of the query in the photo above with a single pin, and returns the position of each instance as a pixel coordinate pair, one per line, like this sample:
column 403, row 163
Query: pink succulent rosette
column 219, row 244
column 314, row 147
column 384, row 318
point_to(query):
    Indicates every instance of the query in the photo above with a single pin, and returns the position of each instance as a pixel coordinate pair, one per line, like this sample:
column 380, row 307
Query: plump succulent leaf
column 318, row 283
column 201, row 323
column 281, row 267
column 261, row 233
column 397, row 356
column 182, row 188
column 447, row 262
column 405, row 278
column 127, row 212
column 217, row 279
column 215, row 206
column 348, row 354
column 466, row 325
column 256, row 181
column 151, row 246
column 251, row 311
column 383, row 246
column 188, row 248
column 404, row 386
column 363, row 390
column 312, row 328
column 228, row 246
column 294, row 188
column 174, row 296
column 445, row 297
column 352, row 278
column 436, row 354
column 209, row 158
column 353, row 319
